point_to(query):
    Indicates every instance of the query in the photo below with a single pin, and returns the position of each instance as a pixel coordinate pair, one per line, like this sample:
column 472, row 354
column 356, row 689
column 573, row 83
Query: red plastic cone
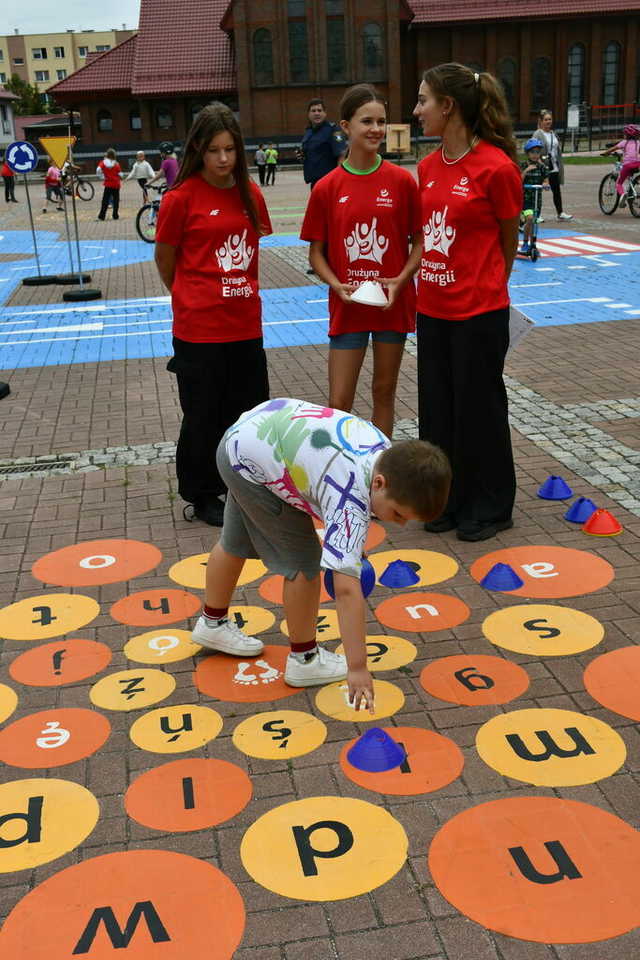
column 601, row 523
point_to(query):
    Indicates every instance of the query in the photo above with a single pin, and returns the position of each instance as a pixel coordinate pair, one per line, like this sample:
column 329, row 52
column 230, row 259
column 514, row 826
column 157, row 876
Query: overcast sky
column 43, row 16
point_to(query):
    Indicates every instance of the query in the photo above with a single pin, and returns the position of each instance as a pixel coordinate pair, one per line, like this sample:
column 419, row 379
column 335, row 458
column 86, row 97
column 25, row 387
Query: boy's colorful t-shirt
column 214, row 295
column 462, row 273
column 365, row 222
column 318, row 460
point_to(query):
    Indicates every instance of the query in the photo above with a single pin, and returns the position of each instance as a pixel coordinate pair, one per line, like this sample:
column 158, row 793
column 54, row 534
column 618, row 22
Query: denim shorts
column 360, row 338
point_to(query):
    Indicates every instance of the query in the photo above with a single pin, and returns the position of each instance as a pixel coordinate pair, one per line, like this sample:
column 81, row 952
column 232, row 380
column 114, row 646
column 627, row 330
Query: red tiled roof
column 446, row 11
column 7, row 95
column 183, row 49
column 108, row 71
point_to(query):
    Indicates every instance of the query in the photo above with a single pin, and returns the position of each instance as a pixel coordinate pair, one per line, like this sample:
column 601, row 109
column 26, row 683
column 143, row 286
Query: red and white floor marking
column 581, row 245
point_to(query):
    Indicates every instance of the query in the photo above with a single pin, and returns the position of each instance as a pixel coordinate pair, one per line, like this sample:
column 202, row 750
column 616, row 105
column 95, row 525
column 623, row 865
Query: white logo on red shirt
column 461, row 189
column 384, row 193
column 383, row 199
column 234, row 254
column 364, row 243
column 214, row 213
column 430, row 184
column 344, row 199
column 437, row 235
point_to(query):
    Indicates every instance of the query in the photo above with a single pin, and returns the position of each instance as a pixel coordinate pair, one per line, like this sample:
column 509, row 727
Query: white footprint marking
column 270, row 674
column 246, row 679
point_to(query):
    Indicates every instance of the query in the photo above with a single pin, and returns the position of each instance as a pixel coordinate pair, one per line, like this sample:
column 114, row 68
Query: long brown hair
column 356, row 97
column 214, row 119
column 481, row 102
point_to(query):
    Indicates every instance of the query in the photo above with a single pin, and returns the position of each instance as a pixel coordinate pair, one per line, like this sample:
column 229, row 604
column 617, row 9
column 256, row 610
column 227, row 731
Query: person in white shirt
column 553, row 154
column 142, row 171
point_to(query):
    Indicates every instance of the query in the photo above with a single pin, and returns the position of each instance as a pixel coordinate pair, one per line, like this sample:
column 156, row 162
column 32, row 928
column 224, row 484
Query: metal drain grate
column 34, row 467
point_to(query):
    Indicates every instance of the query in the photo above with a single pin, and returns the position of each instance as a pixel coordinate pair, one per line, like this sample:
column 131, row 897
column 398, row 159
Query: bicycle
column 147, row 216
column 84, row 189
column 609, row 198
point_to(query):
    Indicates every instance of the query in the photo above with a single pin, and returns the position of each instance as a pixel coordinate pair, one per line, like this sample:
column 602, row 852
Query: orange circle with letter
column 53, row 738
column 247, row 679
column 155, row 608
column 191, row 794
column 549, row 572
column 613, row 678
column 432, row 761
column 474, row 680
column 271, row 590
column 60, row 662
column 161, row 904
column 541, row 869
column 422, row 612
column 96, row 562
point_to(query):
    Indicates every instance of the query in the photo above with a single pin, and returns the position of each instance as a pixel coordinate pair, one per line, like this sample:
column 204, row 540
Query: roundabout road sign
column 21, row 156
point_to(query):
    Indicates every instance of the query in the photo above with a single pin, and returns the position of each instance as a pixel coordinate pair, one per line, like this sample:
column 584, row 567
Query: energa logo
column 234, row 254
column 365, row 243
column 438, row 235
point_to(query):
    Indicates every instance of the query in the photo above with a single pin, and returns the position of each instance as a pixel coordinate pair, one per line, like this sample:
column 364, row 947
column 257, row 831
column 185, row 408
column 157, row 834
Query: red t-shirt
column 111, row 175
column 462, row 272
column 365, row 222
column 215, row 295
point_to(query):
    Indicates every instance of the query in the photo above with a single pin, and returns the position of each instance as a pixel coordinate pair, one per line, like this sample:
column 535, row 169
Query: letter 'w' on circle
column 96, row 562
column 144, row 903
column 324, row 848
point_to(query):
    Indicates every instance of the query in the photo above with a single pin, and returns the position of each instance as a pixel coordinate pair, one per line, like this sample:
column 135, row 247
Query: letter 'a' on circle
column 548, row 572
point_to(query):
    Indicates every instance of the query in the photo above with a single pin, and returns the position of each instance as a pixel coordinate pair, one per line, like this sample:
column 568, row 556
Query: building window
column 4, row 113
column 18, row 61
column 3, row 78
column 83, row 51
column 508, row 77
column 164, row 118
column 105, row 121
column 58, row 53
column 1, row 54
column 39, row 53
column 42, row 76
column 372, row 52
column 61, row 74
column 610, row 73
column 575, row 74
column 101, row 47
column 262, row 58
column 135, row 120
column 298, row 41
column 336, row 45
column 541, row 83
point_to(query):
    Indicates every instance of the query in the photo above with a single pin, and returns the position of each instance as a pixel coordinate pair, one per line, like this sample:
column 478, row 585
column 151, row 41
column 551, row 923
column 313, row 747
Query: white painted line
column 322, row 300
column 634, row 313
column 543, row 303
column 294, row 323
column 616, row 306
column 573, row 242
column 66, row 329
column 543, row 283
column 577, row 267
column 30, row 266
column 93, row 336
column 15, row 323
column 87, row 259
column 94, row 309
column 545, row 269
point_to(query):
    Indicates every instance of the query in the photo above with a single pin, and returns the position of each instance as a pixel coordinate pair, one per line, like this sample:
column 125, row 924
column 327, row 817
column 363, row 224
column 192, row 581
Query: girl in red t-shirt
column 209, row 226
column 110, row 171
column 363, row 222
column 471, row 195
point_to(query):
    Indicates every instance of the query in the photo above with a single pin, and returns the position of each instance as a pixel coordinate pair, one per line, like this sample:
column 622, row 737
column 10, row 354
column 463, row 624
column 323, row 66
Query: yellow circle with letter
column 161, row 646
column 543, row 630
column 324, row 848
column 550, row 748
column 41, row 820
column 387, row 653
column 131, row 689
column 429, row 566
column 8, row 701
column 333, row 700
column 192, row 571
column 327, row 626
column 252, row 619
column 176, row 729
column 279, row 734
column 49, row 615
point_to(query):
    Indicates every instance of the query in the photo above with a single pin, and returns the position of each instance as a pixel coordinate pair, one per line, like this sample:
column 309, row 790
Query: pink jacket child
column 630, row 149
column 52, row 187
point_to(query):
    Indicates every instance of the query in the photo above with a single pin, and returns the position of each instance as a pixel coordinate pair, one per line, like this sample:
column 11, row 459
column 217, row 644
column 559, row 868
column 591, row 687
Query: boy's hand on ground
column 360, row 689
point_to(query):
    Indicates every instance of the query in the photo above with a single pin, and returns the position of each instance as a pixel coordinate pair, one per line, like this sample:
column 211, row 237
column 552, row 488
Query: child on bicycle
column 629, row 147
column 534, row 174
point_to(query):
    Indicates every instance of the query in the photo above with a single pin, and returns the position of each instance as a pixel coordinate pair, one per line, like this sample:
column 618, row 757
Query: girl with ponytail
column 471, row 197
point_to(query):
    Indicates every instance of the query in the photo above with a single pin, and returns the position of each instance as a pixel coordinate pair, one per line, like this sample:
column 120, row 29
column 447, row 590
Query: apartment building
column 47, row 58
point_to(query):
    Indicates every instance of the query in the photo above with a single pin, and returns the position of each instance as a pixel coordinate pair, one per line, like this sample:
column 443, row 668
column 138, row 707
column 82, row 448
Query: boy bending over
column 284, row 463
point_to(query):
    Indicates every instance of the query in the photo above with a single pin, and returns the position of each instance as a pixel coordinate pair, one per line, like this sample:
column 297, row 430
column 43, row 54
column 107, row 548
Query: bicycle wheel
column 146, row 223
column 607, row 194
column 634, row 202
column 85, row 190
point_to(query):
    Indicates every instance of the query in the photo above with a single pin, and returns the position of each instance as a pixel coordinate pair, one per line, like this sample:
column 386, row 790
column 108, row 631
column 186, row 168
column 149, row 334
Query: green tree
column 31, row 100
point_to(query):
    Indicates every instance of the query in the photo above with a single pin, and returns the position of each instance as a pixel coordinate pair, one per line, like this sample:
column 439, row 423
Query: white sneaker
column 227, row 637
column 565, row 216
column 540, row 219
column 325, row 667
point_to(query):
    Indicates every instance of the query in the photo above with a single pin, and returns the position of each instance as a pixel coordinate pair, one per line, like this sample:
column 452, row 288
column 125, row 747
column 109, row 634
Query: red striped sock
column 215, row 613
column 302, row 647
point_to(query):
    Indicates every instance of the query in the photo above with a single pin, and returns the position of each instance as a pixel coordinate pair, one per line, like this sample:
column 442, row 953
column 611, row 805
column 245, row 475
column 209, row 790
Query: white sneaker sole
column 313, row 681
column 221, row 647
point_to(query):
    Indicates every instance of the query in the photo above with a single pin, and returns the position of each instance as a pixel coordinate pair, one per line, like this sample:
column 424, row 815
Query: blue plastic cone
column 375, row 751
column 555, row 488
column 367, row 580
column 580, row 510
column 501, row 577
column 399, row 574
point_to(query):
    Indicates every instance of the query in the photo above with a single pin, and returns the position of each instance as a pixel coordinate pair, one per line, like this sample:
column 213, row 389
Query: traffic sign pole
column 33, row 229
column 84, row 293
column 22, row 157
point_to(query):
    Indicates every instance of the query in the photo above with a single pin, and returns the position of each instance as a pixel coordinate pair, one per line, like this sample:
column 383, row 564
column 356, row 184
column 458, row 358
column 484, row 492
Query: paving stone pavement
column 575, row 409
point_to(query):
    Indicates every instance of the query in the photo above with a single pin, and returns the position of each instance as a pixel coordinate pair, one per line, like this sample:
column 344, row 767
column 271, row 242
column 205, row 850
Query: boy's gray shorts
column 260, row 525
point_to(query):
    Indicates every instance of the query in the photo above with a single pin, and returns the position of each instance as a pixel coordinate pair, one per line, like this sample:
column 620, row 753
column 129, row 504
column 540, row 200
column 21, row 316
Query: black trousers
column 9, row 189
column 261, row 172
column 113, row 194
column 554, row 183
column 271, row 173
column 462, row 407
column 216, row 383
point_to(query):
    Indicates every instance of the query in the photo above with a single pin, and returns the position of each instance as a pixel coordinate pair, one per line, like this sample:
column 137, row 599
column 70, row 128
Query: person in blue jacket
column 323, row 144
